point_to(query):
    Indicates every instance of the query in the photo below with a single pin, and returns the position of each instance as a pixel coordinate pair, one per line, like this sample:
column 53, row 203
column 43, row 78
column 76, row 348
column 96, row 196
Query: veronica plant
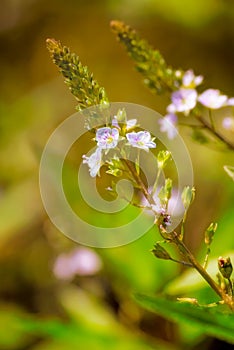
column 120, row 134
column 185, row 89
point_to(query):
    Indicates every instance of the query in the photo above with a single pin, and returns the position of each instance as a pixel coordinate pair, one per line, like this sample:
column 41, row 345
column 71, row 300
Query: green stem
column 230, row 285
column 181, row 246
column 139, row 182
column 206, row 258
column 211, row 121
column 184, row 250
column 185, row 263
column 156, row 181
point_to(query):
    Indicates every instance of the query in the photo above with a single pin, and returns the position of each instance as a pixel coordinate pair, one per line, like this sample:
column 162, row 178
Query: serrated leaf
column 210, row 321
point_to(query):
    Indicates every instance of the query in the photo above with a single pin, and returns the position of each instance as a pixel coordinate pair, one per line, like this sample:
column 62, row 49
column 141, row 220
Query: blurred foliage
column 207, row 320
column 37, row 310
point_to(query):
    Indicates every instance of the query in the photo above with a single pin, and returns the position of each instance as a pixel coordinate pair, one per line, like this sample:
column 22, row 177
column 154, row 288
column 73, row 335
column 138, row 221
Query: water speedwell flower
column 140, row 139
column 131, row 123
column 230, row 101
column 213, row 99
column 107, row 138
column 168, row 125
column 190, row 80
column 184, row 100
column 94, row 162
column 80, row 261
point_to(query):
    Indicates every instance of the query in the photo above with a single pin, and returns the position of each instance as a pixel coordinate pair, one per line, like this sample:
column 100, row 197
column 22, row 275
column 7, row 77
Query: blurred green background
column 38, row 309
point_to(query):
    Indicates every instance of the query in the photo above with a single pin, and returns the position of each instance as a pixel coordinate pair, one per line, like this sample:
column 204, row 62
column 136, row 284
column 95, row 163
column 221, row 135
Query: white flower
column 190, row 80
column 230, row 101
column 171, row 109
column 94, row 162
column 115, row 122
column 81, row 261
column 107, row 137
column 168, row 125
column 213, row 99
column 131, row 123
column 184, row 100
column 141, row 139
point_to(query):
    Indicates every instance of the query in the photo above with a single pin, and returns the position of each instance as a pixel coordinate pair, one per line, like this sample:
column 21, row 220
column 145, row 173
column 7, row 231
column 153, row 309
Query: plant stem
column 156, row 181
column 182, row 247
column 180, row 244
column 211, row 120
column 214, row 132
column 139, row 182
column 230, row 285
column 185, row 263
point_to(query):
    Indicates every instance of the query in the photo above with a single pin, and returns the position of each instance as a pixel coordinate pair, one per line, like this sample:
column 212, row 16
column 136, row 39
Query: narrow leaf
column 210, row 321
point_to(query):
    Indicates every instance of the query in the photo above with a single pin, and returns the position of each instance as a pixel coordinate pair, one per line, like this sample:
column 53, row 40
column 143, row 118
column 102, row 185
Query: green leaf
column 210, row 321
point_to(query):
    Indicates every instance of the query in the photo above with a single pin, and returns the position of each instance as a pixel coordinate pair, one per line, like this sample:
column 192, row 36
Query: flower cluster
column 115, row 137
column 186, row 98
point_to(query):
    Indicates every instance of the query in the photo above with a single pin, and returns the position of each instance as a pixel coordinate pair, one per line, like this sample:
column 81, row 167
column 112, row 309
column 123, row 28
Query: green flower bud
column 165, row 192
column 160, row 252
column 225, row 267
column 209, row 234
column 122, row 115
column 162, row 158
column 187, row 196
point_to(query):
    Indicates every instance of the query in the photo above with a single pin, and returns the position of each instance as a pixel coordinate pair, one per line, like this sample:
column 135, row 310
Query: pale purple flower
column 168, row 125
column 131, row 123
column 80, row 261
column 228, row 123
column 115, row 122
column 175, row 207
column 230, row 101
column 171, row 109
column 140, row 139
column 94, row 162
column 190, row 80
column 184, row 100
column 213, row 99
column 107, row 137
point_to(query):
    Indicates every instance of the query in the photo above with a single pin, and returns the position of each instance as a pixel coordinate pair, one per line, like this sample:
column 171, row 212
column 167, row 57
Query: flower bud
column 160, row 252
column 225, row 266
column 165, row 192
column 209, row 234
column 187, row 196
column 162, row 158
